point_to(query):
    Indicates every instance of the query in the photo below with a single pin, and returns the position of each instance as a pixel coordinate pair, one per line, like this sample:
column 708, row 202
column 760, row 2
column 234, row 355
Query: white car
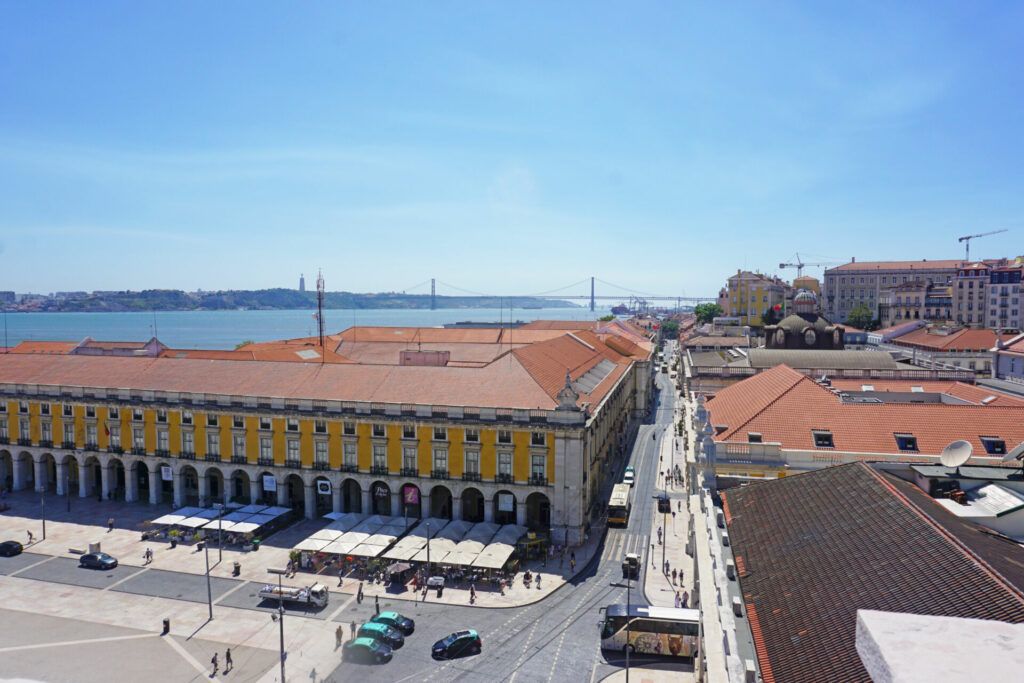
column 628, row 478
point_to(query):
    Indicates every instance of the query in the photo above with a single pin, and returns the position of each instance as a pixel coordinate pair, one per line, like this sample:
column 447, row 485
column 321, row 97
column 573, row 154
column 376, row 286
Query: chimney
column 853, row 259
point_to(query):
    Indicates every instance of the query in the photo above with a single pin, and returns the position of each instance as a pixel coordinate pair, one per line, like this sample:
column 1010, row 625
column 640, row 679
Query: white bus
column 618, row 504
column 652, row 630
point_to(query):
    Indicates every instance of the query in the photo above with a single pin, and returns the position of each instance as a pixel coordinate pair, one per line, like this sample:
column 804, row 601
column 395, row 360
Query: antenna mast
column 320, row 309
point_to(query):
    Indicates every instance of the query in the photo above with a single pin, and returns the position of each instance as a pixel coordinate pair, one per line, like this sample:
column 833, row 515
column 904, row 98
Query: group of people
column 682, row 601
column 228, row 662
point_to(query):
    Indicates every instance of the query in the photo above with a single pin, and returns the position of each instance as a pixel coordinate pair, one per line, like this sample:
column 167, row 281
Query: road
column 557, row 638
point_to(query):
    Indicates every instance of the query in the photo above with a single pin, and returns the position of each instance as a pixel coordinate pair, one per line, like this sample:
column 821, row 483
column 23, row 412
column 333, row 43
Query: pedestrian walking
column 110, row 525
column 572, row 565
column 673, row 576
column 228, row 662
column 686, row 598
column 341, row 575
column 352, row 629
column 472, row 593
column 338, row 635
column 359, row 594
column 572, row 556
column 215, row 664
column 376, row 604
column 30, row 536
column 679, row 602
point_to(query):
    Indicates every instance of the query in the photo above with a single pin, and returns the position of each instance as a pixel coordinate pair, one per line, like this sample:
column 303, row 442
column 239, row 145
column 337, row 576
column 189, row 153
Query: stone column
column 255, row 491
column 131, row 484
column 40, row 471
column 85, row 476
column 456, row 507
column 18, row 475
column 204, row 490
column 489, row 509
column 156, row 485
column 283, row 499
column 62, row 473
column 520, row 513
column 396, row 503
column 105, row 480
column 335, row 497
column 228, row 482
column 179, row 489
column 366, row 502
column 310, row 500
column 3, row 473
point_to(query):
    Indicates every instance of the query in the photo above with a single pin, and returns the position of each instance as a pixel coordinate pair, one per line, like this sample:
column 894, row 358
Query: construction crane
column 967, row 239
column 799, row 265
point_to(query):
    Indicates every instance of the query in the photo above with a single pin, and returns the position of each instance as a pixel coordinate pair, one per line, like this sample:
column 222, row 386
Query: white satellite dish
column 956, row 453
column 1016, row 454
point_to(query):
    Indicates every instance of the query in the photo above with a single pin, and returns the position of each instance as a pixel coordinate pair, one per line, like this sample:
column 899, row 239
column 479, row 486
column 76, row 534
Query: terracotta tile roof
column 965, row 392
column 967, row 339
column 785, row 407
column 897, row 265
column 814, row 548
column 95, row 344
column 57, row 347
column 559, row 325
column 207, row 354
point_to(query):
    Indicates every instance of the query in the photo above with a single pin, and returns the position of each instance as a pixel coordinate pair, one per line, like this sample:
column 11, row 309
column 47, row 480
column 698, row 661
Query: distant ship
column 621, row 309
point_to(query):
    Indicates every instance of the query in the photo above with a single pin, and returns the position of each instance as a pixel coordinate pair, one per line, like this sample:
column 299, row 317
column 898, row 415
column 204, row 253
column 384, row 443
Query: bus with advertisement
column 645, row 629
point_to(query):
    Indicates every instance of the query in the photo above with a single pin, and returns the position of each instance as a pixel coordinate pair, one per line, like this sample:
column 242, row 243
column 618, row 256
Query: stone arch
column 117, row 479
column 410, row 501
column 188, row 479
column 266, row 496
column 24, row 471
column 139, row 470
column 503, row 501
column 214, row 484
column 441, row 502
column 538, row 512
column 351, row 496
column 48, row 472
column 239, row 487
column 323, row 500
column 90, row 469
column 6, row 470
column 472, row 505
column 296, row 491
column 380, row 498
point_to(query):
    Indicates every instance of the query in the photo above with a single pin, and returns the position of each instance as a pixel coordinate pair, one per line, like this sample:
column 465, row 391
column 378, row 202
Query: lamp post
column 220, row 532
column 280, row 612
column 42, row 509
column 629, row 583
column 209, row 591
column 428, row 549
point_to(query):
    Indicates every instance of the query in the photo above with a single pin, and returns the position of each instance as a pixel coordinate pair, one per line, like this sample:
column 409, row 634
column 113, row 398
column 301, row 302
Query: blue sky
column 500, row 147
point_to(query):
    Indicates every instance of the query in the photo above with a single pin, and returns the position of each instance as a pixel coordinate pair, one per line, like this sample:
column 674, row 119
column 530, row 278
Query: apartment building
column 751, row 295
column 862, row 282
column 511, row 426
column 1004, row 297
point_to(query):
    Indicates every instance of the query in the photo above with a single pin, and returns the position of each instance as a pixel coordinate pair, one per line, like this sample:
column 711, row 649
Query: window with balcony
column 238, row 422
column 115, row 436
column 188, row 442
column 538, row 439
column 212, row 443
column 68, row 410
column 90, row 436
column 320, row 452
column 440, row 434
column 266, row 449
column 349, row 429
column 473, row 436
column 409, row 459
column 504, row 436
column 472, row 462
column 69, row 434
column 350, row 456
column 293, row 450
column 186, row 417
column 138, row 438
column 408, row 431
column 292, row 424
column 238, row 447
column 46, row 431
column 320, row 427
column 538, row 467
column 441, row 460
column 378, row 431
column 380, row 457
column 505, row 463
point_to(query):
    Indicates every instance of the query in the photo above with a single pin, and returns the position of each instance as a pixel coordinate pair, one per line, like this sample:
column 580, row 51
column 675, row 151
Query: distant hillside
column 267, row 299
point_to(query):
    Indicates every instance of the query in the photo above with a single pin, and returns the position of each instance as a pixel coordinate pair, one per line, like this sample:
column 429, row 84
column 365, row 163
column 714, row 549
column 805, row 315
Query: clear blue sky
column 501, row 147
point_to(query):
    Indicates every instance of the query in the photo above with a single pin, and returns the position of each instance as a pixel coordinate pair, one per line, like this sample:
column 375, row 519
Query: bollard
column 236, row 569
column 167, row 627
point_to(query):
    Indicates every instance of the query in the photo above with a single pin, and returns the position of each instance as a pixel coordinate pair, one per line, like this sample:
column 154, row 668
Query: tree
column 244, row 343
column 669, row 329
column 771, row 316
column 606, row 318
column 707, row 312
column 860, row 317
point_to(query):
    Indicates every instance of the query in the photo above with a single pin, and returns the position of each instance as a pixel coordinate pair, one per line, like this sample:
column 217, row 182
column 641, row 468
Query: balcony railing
column 379, row 469
column 68, row 444
column 410, row 472
column 538, row 480
column 115, row 449
column 5, row 440
column 187, row 455
column 470, row 476
column 91, row 445
column 439, row 474
column 212, row 457
column 265, row 462
column 239, row 459
column 349, row 467
column 293, row 462
column 502, row 478
column 162, row 453
column 139, row 450
column 46, row 443
column 321, row 465
column 24, row 442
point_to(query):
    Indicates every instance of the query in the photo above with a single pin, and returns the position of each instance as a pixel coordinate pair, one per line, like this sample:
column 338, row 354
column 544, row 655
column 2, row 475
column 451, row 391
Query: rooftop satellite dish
column 956, row 453
column 1016, row 454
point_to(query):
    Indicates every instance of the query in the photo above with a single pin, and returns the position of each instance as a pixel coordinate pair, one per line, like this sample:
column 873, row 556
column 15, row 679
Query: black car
column 97, row 561
column 10, row 548
column 458, row 644
column 366, row 651
column 396, row 620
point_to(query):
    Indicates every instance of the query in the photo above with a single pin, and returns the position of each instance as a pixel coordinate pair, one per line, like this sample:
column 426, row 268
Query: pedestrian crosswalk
column 618, row 545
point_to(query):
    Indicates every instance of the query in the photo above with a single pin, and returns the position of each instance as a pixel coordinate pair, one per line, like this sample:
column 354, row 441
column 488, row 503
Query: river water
column 225, row 329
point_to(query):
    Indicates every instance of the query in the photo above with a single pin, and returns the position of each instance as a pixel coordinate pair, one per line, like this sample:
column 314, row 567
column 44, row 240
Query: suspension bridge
column 577, row 291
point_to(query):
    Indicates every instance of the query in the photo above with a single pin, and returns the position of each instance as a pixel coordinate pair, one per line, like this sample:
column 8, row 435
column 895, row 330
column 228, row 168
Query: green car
column 396, row 620
column 366, row 651
column 382, row 633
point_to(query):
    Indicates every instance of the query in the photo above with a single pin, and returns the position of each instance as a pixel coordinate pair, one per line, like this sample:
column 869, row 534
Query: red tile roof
column 48, row 347
column 785, row 407
column 898, row 265
column 965, row 392
column 814, row 548
column 967, row 339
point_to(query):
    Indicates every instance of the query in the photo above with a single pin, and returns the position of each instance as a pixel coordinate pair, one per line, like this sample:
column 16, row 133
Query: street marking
column 341, row 607
column 229, row 592
column 176, row 646
column 558, row 652
column 36, row 564
column 130, row 576
column 88, row 641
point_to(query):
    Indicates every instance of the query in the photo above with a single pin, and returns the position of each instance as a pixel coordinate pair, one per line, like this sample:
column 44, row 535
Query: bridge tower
column 433, row 294
column 591, row 292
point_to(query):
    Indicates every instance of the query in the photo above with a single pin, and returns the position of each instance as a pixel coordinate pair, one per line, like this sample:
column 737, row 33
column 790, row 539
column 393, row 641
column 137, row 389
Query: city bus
column 619, row 504
column 652, row 630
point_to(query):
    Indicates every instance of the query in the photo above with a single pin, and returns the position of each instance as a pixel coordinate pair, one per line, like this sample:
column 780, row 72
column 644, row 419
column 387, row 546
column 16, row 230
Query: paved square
column 248, row 597
column 175, row 585
column 66, row 570
column 9, row 565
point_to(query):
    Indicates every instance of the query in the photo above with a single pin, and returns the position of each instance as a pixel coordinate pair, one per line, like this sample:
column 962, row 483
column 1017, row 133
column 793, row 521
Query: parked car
column 391, row 637
column 366, row 651
column 10, row 548
column 458, row 644
column 629, row 478
column 396, row 620
column 97, row 561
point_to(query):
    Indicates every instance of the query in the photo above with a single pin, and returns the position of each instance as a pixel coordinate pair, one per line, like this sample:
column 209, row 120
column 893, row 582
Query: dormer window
column 906, row 442
column 823, row 438
column 754, row 437
column 993, row 445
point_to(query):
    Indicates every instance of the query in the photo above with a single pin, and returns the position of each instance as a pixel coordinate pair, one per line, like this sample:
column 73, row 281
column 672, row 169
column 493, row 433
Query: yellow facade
column 751, row 295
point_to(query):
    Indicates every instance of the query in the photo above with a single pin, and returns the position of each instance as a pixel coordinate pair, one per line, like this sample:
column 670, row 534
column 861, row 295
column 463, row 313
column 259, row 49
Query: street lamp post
column 209, row 591
column 629, row 583
column 280, row 612
column 220, row 532
column 42, row 509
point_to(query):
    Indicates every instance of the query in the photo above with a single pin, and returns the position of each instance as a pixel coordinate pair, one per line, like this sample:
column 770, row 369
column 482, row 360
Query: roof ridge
column 953, row 540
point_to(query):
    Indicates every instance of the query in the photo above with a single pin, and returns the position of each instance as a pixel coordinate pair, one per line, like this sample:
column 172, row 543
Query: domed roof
column 798, row 322
column 805, row 295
